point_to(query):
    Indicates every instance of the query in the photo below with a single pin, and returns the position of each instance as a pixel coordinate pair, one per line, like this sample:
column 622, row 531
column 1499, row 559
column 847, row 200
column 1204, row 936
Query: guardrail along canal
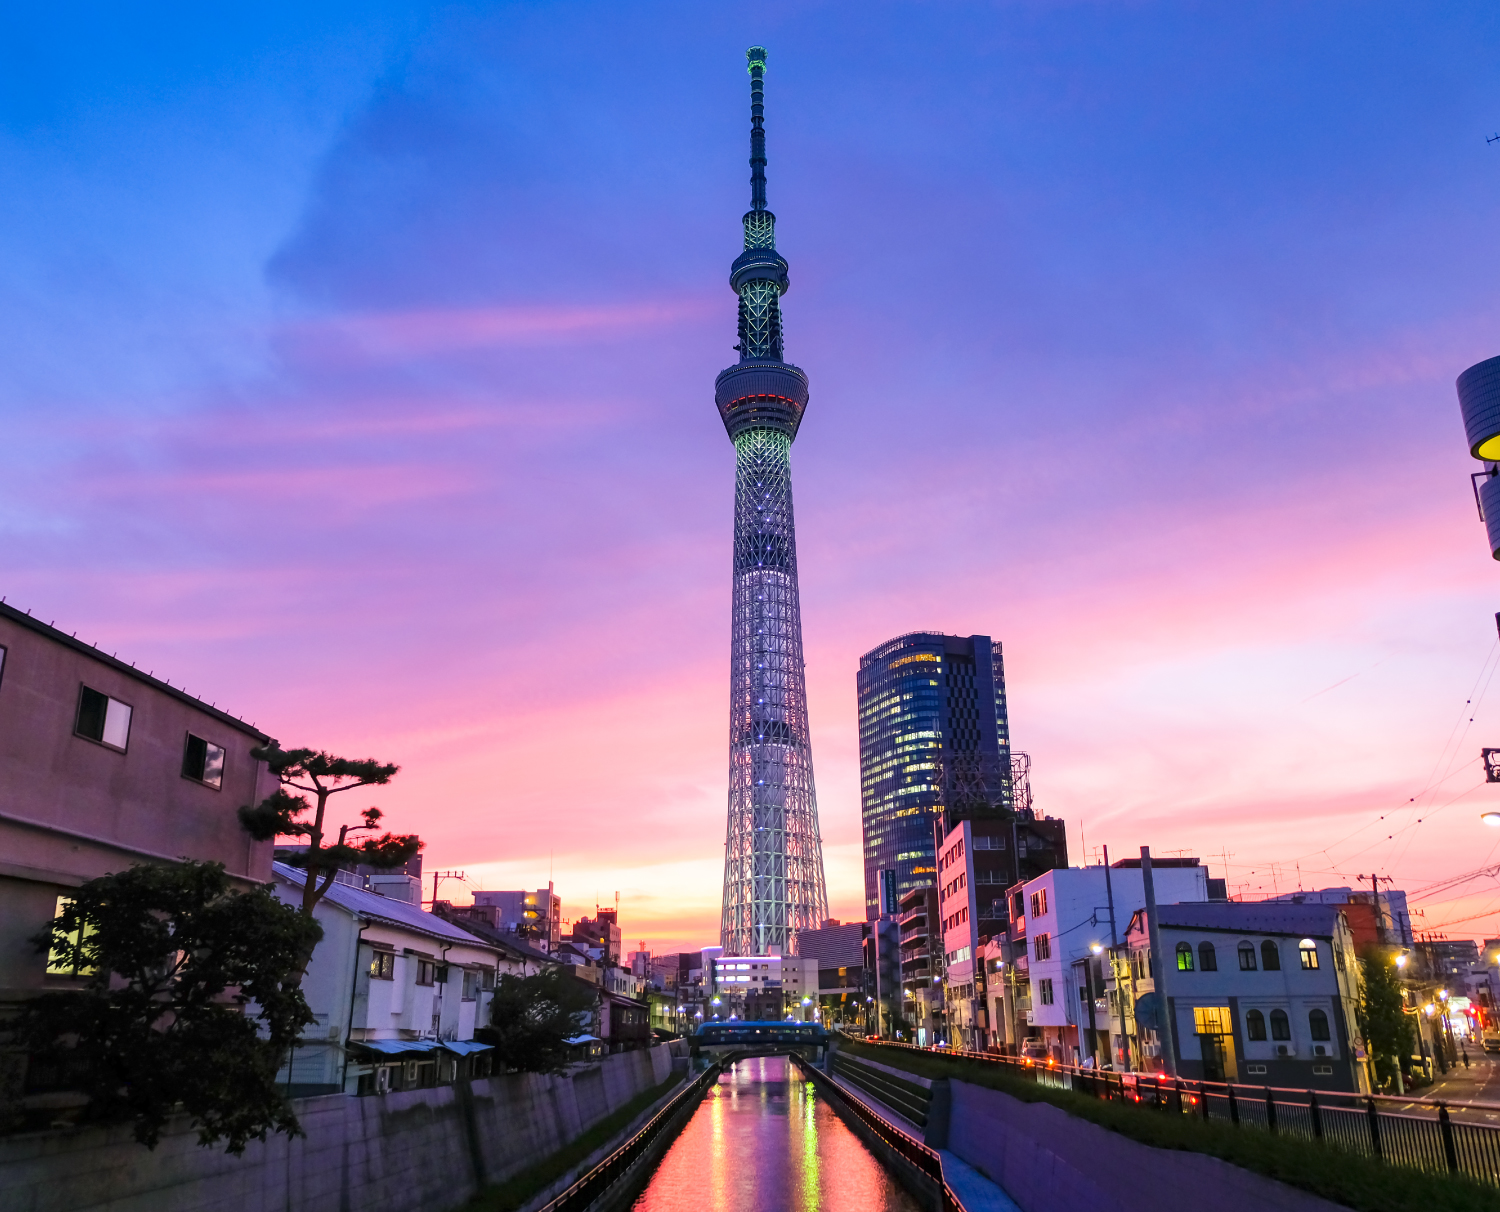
column 762, row 1141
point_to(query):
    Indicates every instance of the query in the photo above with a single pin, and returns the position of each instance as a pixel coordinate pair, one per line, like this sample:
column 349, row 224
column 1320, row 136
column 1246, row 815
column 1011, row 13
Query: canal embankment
column 1050, row 1147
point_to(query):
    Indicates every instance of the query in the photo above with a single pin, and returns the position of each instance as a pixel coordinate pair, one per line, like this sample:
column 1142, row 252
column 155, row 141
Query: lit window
column 1211, row 1020
column 103, row 719
column 203, row 761
column 383, row 966
column 1307, row 951
column 68, row 960
column 1184, row 957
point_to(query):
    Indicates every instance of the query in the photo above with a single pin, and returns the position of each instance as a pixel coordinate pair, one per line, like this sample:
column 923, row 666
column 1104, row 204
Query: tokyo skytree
column 773, row 857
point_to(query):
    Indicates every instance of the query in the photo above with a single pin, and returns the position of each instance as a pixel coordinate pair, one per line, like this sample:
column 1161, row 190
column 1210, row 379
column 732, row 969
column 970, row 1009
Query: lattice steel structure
column 773, row 856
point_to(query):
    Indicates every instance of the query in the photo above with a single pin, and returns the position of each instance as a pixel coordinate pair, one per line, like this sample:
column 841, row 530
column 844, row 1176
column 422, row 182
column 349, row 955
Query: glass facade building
column 934, row 743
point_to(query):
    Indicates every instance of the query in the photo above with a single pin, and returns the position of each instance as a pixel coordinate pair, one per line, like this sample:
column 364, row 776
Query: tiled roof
column 384, row 909
column 1251, row 917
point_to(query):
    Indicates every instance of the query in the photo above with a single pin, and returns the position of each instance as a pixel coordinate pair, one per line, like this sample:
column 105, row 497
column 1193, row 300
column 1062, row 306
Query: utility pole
column 1375, row 904
column 1109, row 895
column 439, row 876
column 1164, row 1008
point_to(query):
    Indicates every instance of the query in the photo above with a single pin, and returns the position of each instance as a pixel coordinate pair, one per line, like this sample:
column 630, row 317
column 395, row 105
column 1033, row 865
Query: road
column 1479, row 1083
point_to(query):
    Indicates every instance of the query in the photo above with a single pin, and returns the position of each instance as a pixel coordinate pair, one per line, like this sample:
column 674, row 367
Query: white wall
column 1077, row 917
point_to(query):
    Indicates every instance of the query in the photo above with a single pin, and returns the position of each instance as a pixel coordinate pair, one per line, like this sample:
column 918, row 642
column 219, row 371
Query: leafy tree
column 191, row 999
column 322, row 775
column 531, row 1017
column 1383, row 1020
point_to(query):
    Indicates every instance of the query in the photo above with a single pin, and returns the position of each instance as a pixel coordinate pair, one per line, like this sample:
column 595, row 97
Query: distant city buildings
column 534, row 916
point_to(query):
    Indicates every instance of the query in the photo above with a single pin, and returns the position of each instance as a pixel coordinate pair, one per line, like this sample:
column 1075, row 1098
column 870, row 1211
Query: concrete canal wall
column 414, row 1151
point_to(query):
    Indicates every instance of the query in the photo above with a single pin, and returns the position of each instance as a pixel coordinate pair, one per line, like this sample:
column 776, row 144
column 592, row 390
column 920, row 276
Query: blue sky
column 357, row 367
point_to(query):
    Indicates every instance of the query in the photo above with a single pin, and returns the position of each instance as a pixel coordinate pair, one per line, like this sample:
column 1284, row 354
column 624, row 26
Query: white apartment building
column 1055, row 921
column 397, row 993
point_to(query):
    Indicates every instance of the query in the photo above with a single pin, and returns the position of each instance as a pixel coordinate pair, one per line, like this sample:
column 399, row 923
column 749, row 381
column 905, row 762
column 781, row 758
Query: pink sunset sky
column 359, row 374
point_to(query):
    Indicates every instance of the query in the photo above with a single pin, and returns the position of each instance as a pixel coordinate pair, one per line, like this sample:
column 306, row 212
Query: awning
column 395, row 1047
column 465, row 1047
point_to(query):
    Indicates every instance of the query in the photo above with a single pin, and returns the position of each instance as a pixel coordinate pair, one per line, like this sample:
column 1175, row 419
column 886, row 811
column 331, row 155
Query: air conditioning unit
column 383, row 1080
column 1284, row 1050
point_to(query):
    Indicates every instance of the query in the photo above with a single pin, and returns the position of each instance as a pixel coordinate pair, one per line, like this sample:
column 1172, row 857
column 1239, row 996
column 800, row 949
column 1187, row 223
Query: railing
column 1421, row 1133
column 910, row 1099
column 592, row 1185
column 925, row 1160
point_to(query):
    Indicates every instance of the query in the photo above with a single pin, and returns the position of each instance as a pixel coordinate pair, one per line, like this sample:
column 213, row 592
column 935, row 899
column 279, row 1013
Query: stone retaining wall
column 413, row 1151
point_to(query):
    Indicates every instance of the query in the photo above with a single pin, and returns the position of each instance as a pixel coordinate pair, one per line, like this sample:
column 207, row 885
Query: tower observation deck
column 773, row 856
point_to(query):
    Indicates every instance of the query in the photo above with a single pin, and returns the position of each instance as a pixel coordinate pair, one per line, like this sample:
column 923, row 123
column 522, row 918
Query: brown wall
column 72, row 809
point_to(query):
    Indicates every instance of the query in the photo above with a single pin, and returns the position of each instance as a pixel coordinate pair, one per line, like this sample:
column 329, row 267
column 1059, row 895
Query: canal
column 762, row 1141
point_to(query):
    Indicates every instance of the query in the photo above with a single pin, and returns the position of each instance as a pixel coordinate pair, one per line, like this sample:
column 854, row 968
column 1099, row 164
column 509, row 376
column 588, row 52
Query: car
column 1492, row 1043
column 1033, row 1049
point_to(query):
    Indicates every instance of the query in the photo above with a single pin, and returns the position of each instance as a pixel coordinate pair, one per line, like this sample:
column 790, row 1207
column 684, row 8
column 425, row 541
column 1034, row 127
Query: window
column 103, row 719
column 1039, row 903
column 204, row 761
column 1255, row 1025
column 1041, row 947
column 1207, row 960
column 1184, row 957
column 471, row 985
column 2, row 669
column 383, row 966
column 1211, row 1020
column 1270, row 958
column 1307, row 952
column 1247, row 958
column 1044, row 992
column 66, row 961
column 1317, row 1024
column 1281, row 1027
column 425, row 971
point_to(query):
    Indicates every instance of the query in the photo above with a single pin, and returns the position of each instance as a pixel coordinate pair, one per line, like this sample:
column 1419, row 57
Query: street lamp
column 1491, row 818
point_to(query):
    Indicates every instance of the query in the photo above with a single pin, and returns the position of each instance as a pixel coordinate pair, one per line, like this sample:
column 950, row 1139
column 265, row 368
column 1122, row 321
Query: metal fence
column 1402, row 1130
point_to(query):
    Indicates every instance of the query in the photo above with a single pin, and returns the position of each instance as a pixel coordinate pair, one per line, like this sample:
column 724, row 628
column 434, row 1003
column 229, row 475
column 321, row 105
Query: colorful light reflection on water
column 761, row 1141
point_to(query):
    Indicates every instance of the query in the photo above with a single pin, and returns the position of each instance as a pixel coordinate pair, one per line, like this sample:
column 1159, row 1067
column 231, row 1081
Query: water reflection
column 761, row 1141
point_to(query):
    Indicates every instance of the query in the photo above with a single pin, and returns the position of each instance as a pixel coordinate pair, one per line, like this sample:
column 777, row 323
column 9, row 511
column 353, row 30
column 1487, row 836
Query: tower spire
column 757, row 57
column 773, row 861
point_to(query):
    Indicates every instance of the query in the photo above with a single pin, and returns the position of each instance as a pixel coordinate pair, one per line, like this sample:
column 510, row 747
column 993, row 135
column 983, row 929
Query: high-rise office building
column 934, row 748
column 773, row 857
